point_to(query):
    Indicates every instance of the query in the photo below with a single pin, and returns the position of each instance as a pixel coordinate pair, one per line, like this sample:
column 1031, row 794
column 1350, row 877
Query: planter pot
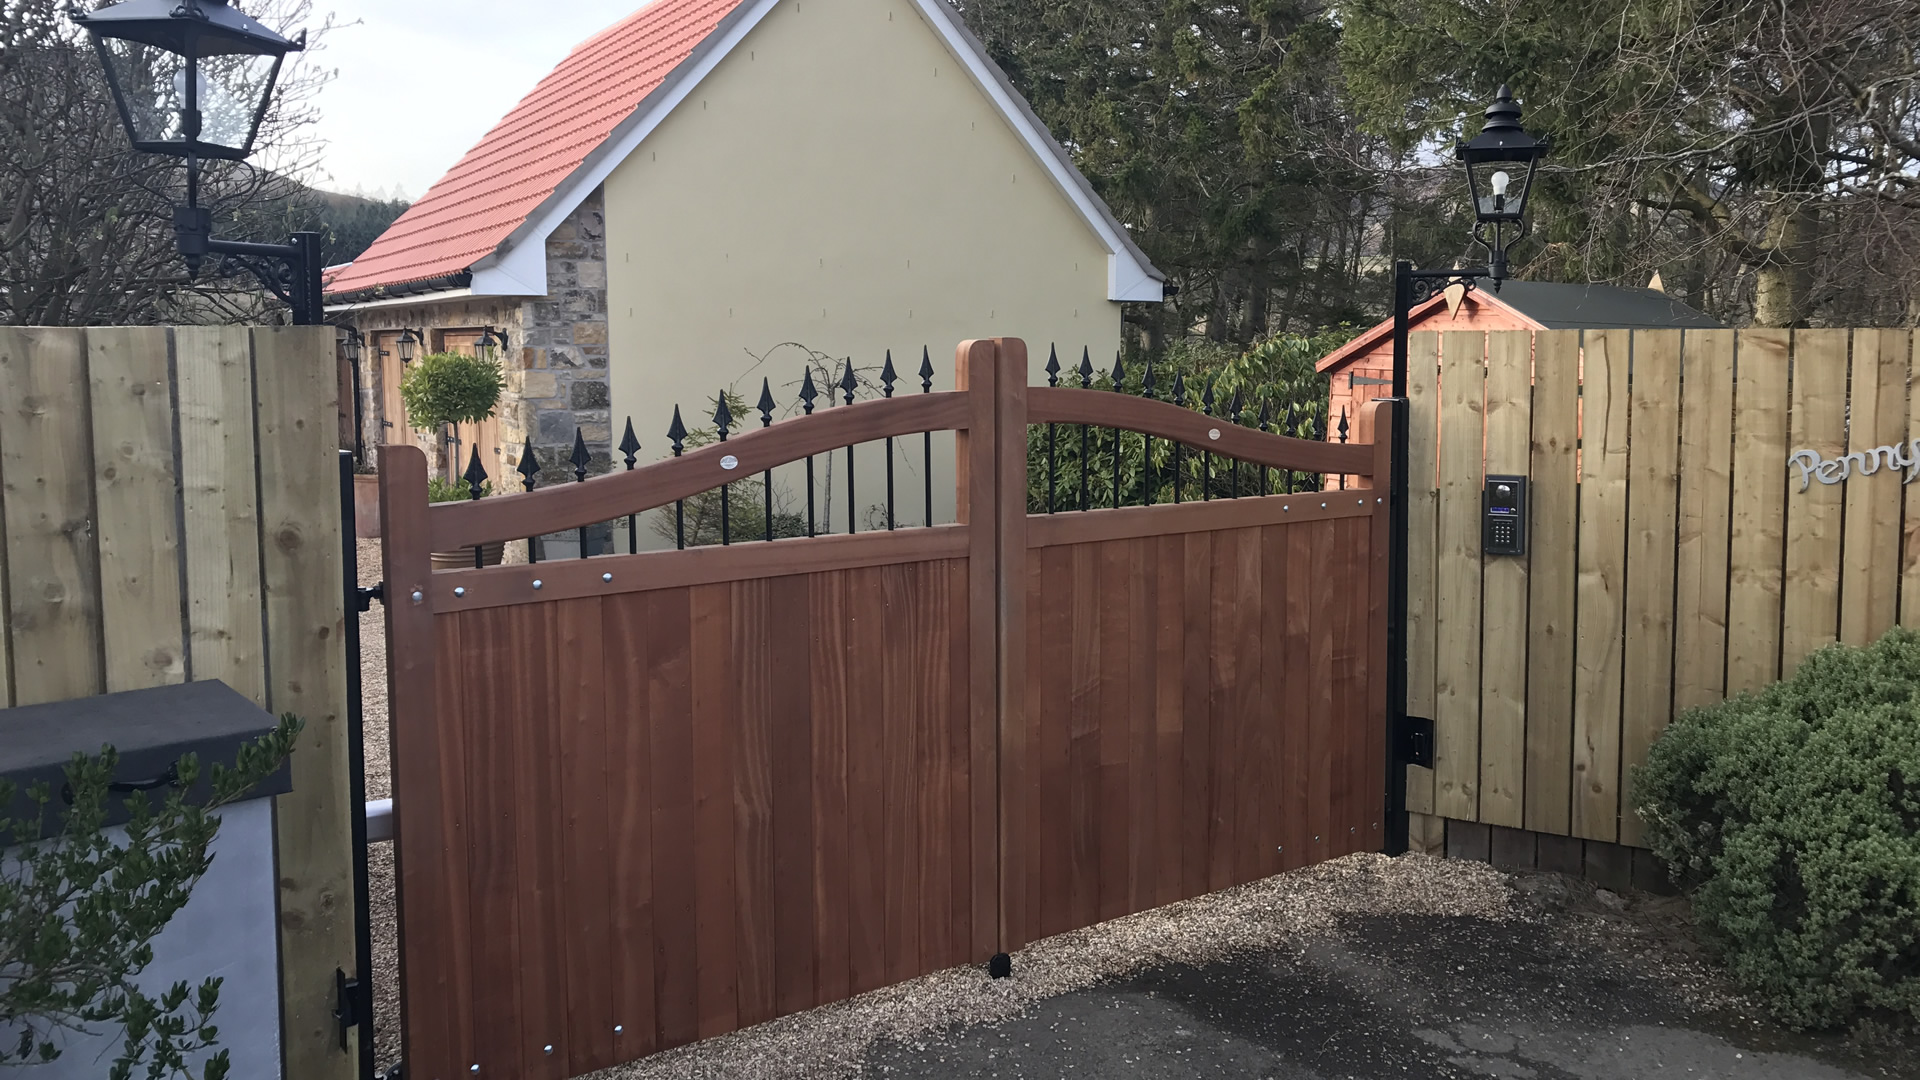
column 366, row 506
column 463, row 558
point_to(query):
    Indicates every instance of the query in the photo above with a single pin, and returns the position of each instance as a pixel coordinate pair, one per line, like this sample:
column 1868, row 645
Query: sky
column 422, row 80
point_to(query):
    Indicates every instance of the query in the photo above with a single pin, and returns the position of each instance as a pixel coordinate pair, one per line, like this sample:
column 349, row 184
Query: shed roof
column 1549, row 305
column 560, row 142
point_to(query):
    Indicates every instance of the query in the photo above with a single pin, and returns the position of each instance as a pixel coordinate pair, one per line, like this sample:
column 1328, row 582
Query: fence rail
column 1707, row 508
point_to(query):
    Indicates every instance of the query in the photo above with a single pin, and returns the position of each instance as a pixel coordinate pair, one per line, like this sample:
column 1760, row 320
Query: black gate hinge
column 364, row 596
column 1413, row 743
column 349, row 1004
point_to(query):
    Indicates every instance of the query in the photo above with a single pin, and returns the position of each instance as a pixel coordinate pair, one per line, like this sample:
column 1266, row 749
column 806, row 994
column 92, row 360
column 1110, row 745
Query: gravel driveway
column 1364, row 967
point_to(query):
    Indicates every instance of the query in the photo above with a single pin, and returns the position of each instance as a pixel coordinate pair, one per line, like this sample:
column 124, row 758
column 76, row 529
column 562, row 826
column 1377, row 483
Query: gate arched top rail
column 603, row 498
column 1165, row 420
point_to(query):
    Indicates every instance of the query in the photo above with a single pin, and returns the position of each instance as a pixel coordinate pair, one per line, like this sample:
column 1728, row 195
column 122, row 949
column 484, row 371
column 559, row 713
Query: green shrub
column 1792, row 815
column 450, row 388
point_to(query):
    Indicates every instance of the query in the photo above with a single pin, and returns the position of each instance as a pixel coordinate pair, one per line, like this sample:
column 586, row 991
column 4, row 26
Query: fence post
column 1383, row 422
column 974, row 374
column 429, row 851
column 1010, row 537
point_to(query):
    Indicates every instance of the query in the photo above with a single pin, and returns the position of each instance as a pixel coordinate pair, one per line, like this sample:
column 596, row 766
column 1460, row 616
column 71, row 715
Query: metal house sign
column 1866, row 462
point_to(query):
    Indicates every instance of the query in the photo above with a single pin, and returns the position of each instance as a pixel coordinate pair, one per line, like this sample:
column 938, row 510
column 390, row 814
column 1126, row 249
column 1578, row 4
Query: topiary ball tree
column 450, row 388
column 1792, row 816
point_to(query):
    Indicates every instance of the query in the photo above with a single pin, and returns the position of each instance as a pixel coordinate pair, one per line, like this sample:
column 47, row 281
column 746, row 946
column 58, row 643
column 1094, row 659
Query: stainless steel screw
column 607, row 578
column 460, row 591
column 418, row 596
column 549, row 1048
column 537, row 583
column 618, row 1028
column 1323, row 506
column 475, row 1069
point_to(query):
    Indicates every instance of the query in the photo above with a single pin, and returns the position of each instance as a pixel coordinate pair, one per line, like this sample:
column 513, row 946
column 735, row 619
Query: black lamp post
column 193, row 79
column 1502, row 155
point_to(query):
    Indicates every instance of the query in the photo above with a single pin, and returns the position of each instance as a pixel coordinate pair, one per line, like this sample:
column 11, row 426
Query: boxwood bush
column 1792, row 816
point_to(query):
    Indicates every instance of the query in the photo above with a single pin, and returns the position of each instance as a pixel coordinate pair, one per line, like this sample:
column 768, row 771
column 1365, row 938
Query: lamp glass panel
column 152, row 85
column 1489, row 203
column 231, row 90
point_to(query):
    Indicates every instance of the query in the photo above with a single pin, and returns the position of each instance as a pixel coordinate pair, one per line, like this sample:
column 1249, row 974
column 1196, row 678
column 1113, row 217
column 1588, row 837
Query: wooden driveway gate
column 646, row 799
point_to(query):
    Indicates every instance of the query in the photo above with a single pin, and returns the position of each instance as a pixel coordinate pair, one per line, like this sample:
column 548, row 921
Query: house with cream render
column 712, row 192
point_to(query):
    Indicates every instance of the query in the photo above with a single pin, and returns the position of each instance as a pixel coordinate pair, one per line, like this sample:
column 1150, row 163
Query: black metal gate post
column 353, row 1006
column 1396, row 718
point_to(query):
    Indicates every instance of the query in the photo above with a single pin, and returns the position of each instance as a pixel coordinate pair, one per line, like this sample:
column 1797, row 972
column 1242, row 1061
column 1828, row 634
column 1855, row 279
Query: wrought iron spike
column 1119, row 373
column 1343, row 424
column 677, row 433
column 1086, row 368
column 476, row 474
column 1206, row 398
column 887, row 376
column 849, row 382
column 1146, row 380
column 1179, row 389
column 808, row 392
column 1293, row 421
column 630, row 444
column 529, row 465
column 926, row 371
column 581, row 459
column 766, row 402
column 1238, row 406
column 1266, row 415
column 1053, row 366
column 723, row 417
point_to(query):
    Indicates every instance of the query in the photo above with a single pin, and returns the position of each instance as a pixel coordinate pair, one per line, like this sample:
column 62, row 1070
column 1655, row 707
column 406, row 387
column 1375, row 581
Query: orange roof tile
column 518, row 164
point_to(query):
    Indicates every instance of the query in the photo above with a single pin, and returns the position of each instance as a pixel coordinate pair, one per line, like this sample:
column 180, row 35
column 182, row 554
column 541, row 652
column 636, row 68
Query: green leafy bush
column 450, row 388
column 1792, row 815
column 457, row 489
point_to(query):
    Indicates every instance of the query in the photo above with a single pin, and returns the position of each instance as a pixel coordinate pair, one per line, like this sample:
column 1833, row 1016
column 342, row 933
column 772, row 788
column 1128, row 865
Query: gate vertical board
column 52, row 568
column 1600, row 624
column 699, row 789
column 1504, row 595
column 1456, row 749
column 1706, row 496
column 628, row 776
column 221, row 519
column 1423, row 510
column 1652, row 494
column 1552, row 580
column 303, row 594
column 1758, row 533
column 134, row 486
column 1870, row 566
column 1817, row 422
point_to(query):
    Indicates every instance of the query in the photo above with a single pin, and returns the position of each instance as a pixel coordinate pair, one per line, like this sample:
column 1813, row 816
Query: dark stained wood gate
column 650, row 798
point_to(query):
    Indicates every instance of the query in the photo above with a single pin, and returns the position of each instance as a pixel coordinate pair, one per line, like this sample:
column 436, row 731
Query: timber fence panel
column 1423, row 443
column 1503, row 669
column 1815, row 516
column 1457, row 581
column 1652, row 493
column 1910, row 536
column 1759, row 510
column 1553, row 578
column 53, row 563
column 1706, row 499
column 1601, row 618
column 1876, row 426
column 135, row 486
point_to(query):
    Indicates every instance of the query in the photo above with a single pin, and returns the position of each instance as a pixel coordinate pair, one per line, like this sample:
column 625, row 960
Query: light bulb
column 204, row 88
column 1500, row 181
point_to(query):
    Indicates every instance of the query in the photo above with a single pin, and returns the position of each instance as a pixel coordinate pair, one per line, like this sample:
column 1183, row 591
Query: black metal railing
column 709, row 518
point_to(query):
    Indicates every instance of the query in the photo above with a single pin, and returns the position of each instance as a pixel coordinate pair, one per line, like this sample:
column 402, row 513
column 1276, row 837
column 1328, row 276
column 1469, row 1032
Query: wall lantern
column 490, row 343
column 1497, row 159
column 193, row 79
column 408, row 345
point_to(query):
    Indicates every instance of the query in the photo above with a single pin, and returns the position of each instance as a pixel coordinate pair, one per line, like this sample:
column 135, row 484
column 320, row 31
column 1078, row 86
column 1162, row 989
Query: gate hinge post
column 364, row 596
column 349, row 1004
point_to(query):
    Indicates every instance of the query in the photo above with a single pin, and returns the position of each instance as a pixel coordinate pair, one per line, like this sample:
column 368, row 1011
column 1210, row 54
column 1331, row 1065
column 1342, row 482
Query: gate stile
column 645, row 799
